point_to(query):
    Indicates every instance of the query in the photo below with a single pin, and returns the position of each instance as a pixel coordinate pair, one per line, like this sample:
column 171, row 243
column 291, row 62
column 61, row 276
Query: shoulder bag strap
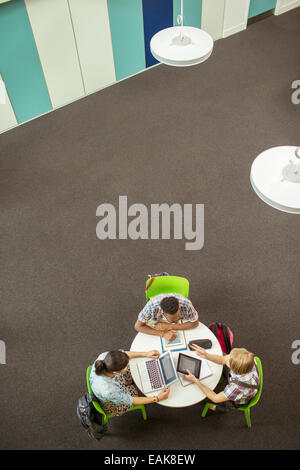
column 92, row 397
column 243, row 384
column 214, row 329
column 150, row 283
column 226, row 338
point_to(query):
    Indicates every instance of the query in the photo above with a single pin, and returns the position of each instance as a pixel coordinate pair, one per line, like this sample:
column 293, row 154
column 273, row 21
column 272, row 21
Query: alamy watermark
column 296, row 94
column 2, row 352
column 188, row 222
column 296, row 354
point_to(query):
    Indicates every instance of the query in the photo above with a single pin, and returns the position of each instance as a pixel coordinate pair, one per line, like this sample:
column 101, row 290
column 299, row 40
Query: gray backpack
column 88, row 417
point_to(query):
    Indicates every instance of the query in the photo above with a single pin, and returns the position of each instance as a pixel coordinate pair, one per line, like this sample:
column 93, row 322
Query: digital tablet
column 187, row 362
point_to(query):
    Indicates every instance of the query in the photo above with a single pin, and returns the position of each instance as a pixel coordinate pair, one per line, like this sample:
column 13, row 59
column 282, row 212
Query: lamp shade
column 181, row 46
column 275, row 177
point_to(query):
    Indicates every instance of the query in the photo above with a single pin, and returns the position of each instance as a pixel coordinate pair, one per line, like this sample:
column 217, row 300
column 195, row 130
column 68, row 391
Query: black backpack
column 88, row 417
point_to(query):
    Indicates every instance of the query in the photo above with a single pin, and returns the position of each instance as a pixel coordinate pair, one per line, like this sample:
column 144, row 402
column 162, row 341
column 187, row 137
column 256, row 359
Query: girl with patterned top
column 111, row 381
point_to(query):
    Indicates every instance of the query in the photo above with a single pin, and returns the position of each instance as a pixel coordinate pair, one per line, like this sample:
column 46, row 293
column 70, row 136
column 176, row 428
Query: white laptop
column 157, row 373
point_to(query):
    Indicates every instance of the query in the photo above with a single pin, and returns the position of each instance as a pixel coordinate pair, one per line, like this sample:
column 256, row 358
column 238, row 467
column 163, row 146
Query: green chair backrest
column 255, row 399
column 167, row 285
column 95, row 403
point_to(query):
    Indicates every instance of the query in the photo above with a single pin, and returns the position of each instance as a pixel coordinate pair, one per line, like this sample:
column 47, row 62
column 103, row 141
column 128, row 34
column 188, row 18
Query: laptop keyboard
column 154, row 375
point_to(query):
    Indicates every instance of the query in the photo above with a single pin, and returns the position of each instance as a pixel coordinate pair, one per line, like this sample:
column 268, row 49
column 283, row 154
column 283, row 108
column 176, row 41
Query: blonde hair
column 241, row 361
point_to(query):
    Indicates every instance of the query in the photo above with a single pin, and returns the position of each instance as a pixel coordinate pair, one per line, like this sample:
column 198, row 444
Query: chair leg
column 105, row 420
column 247, row 414
column 205, row 410
column 143, row 410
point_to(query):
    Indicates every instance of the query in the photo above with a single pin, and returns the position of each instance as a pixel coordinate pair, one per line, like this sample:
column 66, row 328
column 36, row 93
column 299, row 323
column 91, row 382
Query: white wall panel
column 213, row 17
column 285, row 5
column 235, row 16
column 53, row 32
column 92, row 33
column 7, row 115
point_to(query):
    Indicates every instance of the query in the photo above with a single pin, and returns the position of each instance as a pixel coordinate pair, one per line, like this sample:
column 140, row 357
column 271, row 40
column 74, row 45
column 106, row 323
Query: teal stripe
column 19, row 63
column 127, row 33
column 192, row 12
column 260, row 6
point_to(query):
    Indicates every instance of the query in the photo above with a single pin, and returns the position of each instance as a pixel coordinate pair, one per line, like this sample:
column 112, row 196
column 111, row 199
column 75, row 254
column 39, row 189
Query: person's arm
column 146, row 400
column 153, row 353
column 211, row 395
column 223, row 360
column 168, row 334
column 188, row 325
column 217, row 359
column 143, row 328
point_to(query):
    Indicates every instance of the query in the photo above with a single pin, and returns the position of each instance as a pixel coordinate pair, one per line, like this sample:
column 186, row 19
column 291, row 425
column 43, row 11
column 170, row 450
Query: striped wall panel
column 158, row 14
column 192, row 10
column 127, row 33
column 92, row 33
column 213, row 17
column 53, row 32
column 19, row 63
column 7, row 115
column 282, row 6
column 56, row 51
column 235, row 16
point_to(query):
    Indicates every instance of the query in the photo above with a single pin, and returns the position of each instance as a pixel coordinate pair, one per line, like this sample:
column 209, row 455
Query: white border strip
column 282, row 7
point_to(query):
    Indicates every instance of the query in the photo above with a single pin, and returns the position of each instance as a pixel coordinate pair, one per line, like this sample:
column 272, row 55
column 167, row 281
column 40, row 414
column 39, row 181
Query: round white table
column 275, row 177
column 179, row 396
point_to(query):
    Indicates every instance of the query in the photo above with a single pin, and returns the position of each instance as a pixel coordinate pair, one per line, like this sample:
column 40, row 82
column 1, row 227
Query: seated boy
column 243, row 376
column 161, row 316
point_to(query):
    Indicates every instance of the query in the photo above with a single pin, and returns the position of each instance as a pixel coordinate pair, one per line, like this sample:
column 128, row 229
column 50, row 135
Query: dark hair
column 113, row 361
column 169, row 305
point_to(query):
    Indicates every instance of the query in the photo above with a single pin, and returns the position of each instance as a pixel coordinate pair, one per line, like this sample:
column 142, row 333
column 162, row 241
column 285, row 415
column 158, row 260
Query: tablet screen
column 190, row 363
column 167, row 369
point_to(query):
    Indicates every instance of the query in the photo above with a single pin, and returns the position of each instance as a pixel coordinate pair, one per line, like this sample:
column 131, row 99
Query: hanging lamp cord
column 180, row 18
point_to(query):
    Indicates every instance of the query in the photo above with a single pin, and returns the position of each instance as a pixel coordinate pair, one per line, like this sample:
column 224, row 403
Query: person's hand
column 190, row 377
column 164, row 393
column 163, row 326
column 200, row 351
column 169, row 335
column 154, row 353
column 227, row 360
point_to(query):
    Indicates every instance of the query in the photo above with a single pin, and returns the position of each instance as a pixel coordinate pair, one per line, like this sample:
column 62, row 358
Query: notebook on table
column 178, row 344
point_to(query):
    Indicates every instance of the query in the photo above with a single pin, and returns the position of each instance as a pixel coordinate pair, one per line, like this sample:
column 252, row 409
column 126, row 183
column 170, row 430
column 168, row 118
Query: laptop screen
column 167, row 368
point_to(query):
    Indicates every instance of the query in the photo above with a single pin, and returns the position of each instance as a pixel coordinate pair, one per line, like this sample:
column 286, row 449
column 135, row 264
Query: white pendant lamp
column 181, row 46
column 275, row 177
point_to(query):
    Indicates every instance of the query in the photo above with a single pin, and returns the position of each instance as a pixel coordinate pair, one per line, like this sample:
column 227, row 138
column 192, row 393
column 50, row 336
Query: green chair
column 252, row 402
column 98, row 408
column 166, row 285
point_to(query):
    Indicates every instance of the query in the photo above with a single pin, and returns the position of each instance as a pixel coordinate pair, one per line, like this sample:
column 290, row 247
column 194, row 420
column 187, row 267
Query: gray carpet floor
column 166, row 135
